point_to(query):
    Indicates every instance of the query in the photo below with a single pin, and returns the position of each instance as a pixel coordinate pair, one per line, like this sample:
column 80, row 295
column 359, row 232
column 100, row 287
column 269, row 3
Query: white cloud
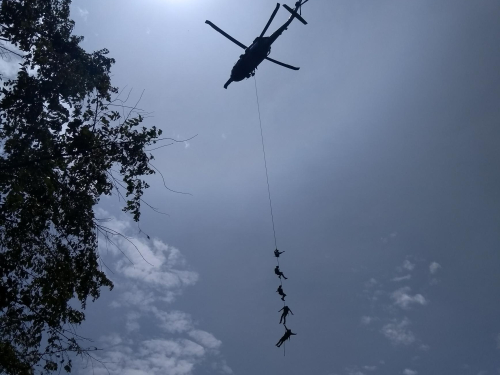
column 402, row 278
column 408, row 265
column 409, row 372
column 390, row 237
column 148, row 275
column 84, row 13
column 155, row 264
column 366, row 320
column 9, row 64
column 354, row 371
column 398, row 332
column 370, row 368
column 152, row 270
column 132, row 323
column 404, row 300
column 222, row 367
column 173, row 321
column 206, row 339
column 112, row 340
column 131, row 295
column 434, row 267
column 151, row 357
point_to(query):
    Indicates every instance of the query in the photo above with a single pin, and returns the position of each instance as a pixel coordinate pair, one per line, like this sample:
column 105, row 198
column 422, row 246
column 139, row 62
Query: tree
column 61, row 143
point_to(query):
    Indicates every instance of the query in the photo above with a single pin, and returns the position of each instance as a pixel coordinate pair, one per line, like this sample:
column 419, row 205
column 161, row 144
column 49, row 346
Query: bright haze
column 383, row 157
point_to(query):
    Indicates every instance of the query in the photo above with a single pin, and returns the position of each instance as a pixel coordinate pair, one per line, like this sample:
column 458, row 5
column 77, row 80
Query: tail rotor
column 298, row 7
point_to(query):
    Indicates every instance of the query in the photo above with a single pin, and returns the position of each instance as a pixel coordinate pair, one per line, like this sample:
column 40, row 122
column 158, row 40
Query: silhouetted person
column 277, row 253
column 285, row 310
column 279, row 273
column 285, row 337
column 281, row 293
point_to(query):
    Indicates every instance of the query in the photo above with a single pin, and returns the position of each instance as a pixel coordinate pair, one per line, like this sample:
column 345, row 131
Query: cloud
column 206, row 339
column 83, row 13
column 371, row 283
column 354, row 371
column 370, row 368
column 390, row 237
column 155, row 339
column 402, row 278
column 9, row 64
column 408, row 265
column 398, row 332
column 366, row 320
column 152, row 357
column 434, row 267
column 404, row 300
column 149, row 270
column 112, row 339
column 409, row 372
column 157, row 356
column 158, row 266
column 172, row 321
column 132, row 323
column 224, row 368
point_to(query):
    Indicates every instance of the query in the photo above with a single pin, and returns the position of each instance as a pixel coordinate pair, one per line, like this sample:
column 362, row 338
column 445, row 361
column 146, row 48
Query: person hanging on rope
column 285, row 310
column 279, row 273
column 281, row 293
column 277, row 253
column 286, row 336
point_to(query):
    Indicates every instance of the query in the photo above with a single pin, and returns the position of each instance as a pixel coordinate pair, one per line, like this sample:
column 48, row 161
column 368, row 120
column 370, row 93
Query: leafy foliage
column 60, row 143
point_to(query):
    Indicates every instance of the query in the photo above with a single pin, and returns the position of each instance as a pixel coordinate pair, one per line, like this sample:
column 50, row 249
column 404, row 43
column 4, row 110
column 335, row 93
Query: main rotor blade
column 226, row 35
column 282, row 64
column 270, row 20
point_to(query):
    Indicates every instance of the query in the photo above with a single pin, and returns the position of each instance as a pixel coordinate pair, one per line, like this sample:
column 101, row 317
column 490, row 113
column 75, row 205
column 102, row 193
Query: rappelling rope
column 268, row 190
column 265, row 164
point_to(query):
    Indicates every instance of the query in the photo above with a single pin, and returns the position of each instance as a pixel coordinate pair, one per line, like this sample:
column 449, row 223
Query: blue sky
column 383, row 165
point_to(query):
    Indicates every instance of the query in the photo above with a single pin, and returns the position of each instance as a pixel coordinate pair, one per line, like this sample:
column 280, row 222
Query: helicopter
column 260, row 49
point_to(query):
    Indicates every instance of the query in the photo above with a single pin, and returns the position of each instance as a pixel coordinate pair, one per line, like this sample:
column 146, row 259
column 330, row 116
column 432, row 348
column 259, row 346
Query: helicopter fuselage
column 250, row 60
column 254, row 55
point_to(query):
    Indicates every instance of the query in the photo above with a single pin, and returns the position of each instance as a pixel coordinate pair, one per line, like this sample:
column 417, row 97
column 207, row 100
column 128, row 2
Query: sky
column 383, row 169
